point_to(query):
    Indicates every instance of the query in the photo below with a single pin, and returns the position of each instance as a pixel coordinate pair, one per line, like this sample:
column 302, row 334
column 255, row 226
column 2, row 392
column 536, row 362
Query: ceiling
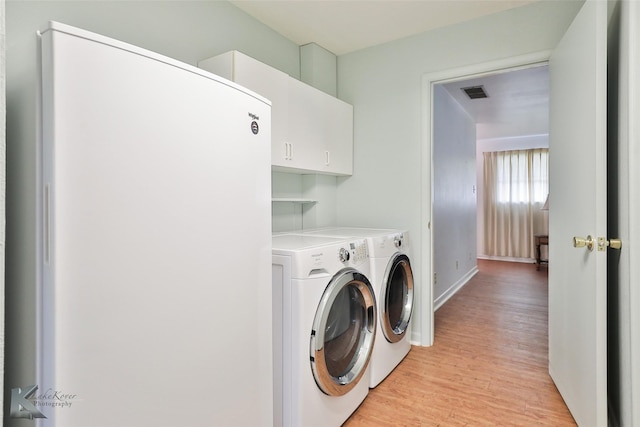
column 518, row 101
column 343, row 26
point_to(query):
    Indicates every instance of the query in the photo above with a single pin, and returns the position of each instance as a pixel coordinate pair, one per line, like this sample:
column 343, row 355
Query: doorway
column 431, row 276
column 500, row 113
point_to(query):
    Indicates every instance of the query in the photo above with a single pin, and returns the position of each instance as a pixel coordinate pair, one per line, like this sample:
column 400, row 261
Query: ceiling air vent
column 475, row 92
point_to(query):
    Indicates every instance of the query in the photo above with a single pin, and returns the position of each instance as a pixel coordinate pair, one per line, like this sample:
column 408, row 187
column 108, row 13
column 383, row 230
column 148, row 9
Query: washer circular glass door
column 343, row 332
column 396, row 298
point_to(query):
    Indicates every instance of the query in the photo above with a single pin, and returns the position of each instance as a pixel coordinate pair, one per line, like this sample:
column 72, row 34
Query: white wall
column 287, row 216
column 504, row 144
column 629, row 158
column 383, row 83
column 454, row 195
column 186, row 30
column 318, row 68
column 320, row 190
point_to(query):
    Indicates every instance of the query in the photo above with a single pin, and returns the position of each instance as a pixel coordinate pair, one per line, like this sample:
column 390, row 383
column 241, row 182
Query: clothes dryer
column 327, row 329
column 392, row 279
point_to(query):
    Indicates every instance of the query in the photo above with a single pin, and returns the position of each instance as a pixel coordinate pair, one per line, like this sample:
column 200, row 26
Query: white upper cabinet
column 312, row 132
column 263, row 80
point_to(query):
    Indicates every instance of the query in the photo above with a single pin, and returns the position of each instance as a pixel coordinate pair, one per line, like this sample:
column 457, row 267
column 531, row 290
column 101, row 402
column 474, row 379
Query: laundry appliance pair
column 345, row 298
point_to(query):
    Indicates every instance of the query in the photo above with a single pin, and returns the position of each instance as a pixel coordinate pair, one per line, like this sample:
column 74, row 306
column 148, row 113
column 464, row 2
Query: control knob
column 344, row 255
column 397, row 241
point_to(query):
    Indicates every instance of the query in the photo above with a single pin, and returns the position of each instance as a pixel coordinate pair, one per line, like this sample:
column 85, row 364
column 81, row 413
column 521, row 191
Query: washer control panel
column 356, row 252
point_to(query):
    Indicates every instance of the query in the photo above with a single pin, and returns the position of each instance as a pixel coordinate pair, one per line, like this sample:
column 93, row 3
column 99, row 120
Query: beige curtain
column 516, row 185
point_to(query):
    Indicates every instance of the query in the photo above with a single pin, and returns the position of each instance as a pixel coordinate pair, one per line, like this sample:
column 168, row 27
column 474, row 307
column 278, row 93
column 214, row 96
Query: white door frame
column 633, row 17
column 426, row 327
column 629, row 135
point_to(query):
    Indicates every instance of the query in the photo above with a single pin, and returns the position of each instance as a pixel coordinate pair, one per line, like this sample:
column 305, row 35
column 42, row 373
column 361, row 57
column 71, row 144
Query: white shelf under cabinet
column 293, row 200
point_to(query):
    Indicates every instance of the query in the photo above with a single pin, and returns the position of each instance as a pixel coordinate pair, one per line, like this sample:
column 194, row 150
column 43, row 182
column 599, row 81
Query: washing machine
column 325, row 328
column 392, row 279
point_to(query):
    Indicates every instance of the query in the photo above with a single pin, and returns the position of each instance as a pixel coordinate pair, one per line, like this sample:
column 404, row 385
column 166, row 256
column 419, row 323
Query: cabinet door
column 338, row 138
column 320, row 130
column 305, row 127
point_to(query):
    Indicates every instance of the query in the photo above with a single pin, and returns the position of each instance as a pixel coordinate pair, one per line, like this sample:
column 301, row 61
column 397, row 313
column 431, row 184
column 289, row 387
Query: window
column 516, row 185
column 521, row 176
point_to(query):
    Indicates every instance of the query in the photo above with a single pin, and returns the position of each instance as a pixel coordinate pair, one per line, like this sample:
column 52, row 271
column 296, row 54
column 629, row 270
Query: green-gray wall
column 384, row 84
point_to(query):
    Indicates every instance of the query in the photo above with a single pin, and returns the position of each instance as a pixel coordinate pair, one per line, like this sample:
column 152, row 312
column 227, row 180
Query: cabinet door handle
column 287, row 151
column 327, row 158
column 290, row 151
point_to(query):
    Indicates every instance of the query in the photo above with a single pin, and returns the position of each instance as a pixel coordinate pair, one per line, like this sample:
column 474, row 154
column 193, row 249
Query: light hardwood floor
column 488, row 366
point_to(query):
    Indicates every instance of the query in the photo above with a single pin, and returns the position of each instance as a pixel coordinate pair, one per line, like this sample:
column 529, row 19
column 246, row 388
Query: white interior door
column 577, row 276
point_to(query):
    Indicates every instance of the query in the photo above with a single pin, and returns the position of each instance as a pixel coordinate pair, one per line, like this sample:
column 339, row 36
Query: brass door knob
column 615, row 244
column 581, row 242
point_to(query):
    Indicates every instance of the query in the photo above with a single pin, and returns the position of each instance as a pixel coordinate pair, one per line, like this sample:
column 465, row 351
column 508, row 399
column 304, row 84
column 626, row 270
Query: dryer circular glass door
column 396, row 298
column 343, row 332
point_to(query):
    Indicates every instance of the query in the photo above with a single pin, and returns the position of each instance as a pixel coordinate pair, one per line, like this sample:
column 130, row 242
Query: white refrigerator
column 155, row 236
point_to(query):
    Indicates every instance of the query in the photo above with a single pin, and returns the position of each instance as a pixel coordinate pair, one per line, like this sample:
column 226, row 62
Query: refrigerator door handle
column 47, row 223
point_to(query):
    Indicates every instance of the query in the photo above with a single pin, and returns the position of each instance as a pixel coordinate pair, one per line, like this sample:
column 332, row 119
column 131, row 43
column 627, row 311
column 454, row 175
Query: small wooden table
column 541, row 239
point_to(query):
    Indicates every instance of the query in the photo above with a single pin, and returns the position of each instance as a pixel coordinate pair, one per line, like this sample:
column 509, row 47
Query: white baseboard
column 507, row 259
column 439, row 302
